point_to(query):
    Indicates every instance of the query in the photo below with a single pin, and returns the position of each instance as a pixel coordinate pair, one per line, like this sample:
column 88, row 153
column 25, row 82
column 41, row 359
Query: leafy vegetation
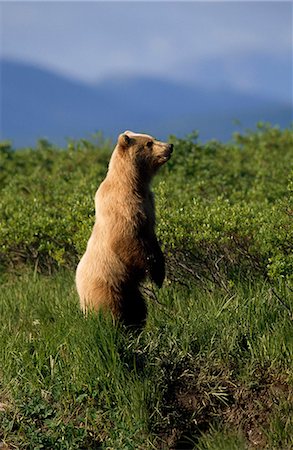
column 213, row 367
column 225, row 203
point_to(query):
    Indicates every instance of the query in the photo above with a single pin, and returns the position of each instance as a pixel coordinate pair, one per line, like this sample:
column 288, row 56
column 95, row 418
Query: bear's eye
column 149, row 144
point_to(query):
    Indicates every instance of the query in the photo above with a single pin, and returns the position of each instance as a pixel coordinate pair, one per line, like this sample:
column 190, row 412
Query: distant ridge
column 37, row 103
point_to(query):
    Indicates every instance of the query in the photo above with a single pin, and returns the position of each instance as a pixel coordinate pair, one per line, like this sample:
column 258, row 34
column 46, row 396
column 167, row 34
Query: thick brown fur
column 123, row 249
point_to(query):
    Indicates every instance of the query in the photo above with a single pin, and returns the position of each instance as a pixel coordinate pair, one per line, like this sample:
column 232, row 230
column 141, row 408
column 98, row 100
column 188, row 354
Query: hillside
column 212, row 369
column 37, row 103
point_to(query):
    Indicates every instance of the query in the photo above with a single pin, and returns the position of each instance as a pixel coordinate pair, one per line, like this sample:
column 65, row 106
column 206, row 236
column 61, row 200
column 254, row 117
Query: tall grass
column 69, row 381
column 212, row 370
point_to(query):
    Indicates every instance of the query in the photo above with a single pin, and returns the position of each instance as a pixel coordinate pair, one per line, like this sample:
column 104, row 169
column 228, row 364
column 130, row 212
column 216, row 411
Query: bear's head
column 145, row 152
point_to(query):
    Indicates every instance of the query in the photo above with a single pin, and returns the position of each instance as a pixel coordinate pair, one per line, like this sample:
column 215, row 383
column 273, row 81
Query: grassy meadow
column 212, row 370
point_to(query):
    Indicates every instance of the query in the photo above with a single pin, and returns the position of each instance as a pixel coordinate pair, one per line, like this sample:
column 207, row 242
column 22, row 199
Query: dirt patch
column 254, row 405
column 5, row 402
column 196, row 399
column 3, row 446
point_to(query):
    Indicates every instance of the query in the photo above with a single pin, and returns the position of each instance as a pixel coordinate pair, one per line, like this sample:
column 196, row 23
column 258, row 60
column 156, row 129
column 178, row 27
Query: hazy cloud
column 92, row 40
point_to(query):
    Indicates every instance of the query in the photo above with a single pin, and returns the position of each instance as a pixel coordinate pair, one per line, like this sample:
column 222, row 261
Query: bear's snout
column 168, row 151
column 170, row 147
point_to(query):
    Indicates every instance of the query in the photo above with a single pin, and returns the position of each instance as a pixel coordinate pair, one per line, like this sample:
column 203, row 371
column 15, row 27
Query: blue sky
column 90, row 41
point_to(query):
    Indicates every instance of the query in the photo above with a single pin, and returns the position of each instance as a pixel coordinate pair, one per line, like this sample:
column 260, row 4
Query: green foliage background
column 224, row 206
column 212, row 369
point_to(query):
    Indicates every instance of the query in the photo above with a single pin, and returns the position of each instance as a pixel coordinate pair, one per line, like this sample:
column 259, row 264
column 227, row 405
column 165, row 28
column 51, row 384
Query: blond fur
column 123, row 247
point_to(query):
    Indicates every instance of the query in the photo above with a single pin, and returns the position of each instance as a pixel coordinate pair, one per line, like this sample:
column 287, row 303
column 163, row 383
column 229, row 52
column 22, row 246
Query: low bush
column 223, row 210
column 212, row 369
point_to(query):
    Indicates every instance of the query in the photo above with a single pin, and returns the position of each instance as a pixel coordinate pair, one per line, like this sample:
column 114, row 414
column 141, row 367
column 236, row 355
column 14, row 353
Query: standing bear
column 123, row 249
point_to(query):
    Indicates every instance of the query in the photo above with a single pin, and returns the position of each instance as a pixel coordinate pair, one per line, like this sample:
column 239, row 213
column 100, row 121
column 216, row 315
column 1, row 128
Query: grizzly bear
column 123, row 249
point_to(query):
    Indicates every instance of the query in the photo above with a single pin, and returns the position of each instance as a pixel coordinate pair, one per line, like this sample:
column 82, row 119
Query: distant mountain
column 38, row 103
column 269, row 75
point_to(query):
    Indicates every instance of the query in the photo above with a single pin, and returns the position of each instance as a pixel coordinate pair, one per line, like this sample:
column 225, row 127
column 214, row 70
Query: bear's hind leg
column 133, row 311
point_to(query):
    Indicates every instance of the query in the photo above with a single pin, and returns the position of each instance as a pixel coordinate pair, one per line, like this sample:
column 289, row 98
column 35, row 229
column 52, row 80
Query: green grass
column 211, row 370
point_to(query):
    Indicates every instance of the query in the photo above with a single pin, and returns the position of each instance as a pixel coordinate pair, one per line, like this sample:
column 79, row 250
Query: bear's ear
column 125, row 141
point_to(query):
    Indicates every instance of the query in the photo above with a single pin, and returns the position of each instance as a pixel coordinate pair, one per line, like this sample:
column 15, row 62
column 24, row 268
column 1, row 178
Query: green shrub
column 223, row 210
column 47, row 206
column 227, row 209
